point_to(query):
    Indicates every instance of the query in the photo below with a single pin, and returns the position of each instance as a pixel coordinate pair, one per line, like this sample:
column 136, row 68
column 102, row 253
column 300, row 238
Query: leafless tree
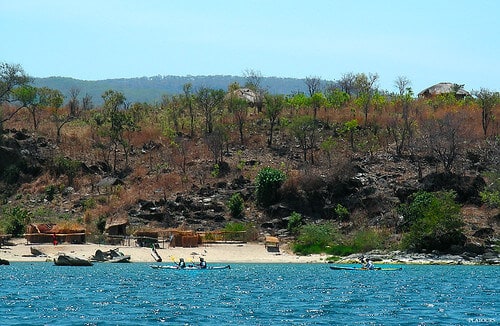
column 313, row 84
column 87, row 103
column 254, row 82
column 402, row 83
column 346, row 83
column 74, row 103
column 445, row 138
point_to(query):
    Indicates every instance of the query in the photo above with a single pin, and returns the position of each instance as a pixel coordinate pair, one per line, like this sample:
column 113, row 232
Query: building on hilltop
column 444, row 88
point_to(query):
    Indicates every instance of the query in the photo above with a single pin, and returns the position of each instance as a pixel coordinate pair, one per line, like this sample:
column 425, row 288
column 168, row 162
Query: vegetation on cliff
column 353, row 162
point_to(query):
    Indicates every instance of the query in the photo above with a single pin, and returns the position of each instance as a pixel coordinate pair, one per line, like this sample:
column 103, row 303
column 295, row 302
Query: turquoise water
column 247, row 294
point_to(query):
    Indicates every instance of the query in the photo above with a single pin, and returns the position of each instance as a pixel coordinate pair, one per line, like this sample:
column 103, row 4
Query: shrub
column 268, row 181
column 316, row 238
column 369, row 239
column 237, row 231
column 236, row 205
column 341, row 212
column 434, row 222
column 14, row 220
column 66, row 166
column 294, row 223
column 11, row 174
column 50, row 192
column 491, row 193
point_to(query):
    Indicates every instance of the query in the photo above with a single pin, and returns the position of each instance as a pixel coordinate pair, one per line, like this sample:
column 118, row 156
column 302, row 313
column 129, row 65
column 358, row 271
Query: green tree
column 54, row 100
column 268, row 182
column 238, row 107
column 350, row 128
column 366, row 88
column 433, row 221
column 210, row 103
column 316, row 101
column 487, row 100
column 116, row 121
column 12, row 76
column 327, row 147
column 188, row 102
column 273, row 107
column 336, row 97
column 28, row 97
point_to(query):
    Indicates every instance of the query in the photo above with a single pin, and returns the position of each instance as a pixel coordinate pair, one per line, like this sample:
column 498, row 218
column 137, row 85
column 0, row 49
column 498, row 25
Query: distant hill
column 151, row 89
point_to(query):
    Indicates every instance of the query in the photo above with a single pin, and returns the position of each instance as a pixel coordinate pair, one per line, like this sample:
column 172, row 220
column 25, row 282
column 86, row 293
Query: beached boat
column 110, row 256
column 156, row 255
column 65, row 260
column 348, row 268
column 189, row 267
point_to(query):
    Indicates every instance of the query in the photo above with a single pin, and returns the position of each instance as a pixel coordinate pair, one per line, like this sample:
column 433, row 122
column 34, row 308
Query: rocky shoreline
column 434, row 258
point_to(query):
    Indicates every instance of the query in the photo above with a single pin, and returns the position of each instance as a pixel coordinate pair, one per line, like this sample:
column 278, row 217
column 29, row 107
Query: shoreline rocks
column 434, row 258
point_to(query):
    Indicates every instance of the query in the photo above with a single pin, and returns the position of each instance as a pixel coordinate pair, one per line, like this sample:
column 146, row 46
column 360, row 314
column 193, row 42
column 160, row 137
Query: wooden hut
column 115, row 229
column 48, row 232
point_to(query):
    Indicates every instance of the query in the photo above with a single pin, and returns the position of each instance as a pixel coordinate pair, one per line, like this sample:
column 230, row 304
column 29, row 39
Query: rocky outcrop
column 435, row 258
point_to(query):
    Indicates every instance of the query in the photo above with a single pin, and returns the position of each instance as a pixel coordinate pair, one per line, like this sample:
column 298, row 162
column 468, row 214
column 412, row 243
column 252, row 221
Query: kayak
column 345, row 268
column 196, row 268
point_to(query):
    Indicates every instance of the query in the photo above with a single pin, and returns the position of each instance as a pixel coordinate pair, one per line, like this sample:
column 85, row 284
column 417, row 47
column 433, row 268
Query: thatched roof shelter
column 444, row 88
column 63, row 232
column 116, row 229
column 115, row 221
column 246, row 94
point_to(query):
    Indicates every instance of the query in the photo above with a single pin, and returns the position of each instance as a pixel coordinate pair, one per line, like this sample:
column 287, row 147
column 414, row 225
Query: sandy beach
column 20, row 251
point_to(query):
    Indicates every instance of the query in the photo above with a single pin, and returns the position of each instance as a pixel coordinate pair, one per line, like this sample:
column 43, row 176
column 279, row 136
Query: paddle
column 173, row 260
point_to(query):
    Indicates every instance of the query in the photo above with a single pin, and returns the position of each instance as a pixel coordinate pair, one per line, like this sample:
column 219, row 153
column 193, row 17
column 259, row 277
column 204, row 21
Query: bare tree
column 313, row 84
column 87, row 103
column 400, row 127
column 346, row 83
column 74, row 103
column 215, row 142
column 402, row 83
column 445, row 138
column 254, row 82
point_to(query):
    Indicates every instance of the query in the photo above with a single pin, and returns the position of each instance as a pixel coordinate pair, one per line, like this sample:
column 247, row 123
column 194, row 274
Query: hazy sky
column 426, row 41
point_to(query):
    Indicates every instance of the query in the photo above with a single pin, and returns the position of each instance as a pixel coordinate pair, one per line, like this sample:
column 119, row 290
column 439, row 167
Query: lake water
column 247, row 294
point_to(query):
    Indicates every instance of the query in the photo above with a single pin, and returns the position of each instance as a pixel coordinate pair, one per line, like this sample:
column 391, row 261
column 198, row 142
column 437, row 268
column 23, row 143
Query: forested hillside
column 151, row 89
column 338, row 168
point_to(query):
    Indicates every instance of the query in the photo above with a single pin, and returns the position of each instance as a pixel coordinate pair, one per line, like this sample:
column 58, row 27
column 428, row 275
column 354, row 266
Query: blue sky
column 426, row 41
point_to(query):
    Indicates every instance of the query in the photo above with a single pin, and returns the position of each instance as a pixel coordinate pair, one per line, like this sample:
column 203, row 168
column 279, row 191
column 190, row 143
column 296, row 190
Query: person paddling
column 203, row 263
column 369, row 265
column 182, row 263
